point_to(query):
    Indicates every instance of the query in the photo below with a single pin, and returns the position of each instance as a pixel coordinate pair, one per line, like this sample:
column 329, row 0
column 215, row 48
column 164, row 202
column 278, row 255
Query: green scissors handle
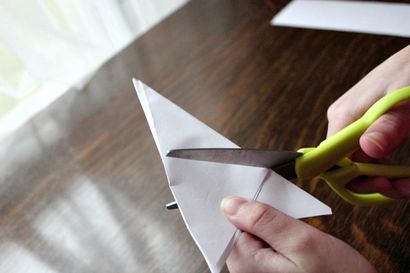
column 335, row 149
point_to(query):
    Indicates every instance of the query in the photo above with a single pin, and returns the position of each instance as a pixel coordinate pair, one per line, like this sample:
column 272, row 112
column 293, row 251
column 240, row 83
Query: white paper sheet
column 199, row 187
column 354, row 16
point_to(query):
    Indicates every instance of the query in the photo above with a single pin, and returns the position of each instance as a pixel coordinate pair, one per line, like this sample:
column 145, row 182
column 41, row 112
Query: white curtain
column 46, row 46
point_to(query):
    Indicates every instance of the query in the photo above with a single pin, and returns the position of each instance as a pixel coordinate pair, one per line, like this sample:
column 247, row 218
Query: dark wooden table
column 82, row 188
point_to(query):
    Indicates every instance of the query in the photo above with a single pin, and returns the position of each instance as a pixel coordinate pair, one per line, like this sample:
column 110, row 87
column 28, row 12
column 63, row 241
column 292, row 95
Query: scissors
column 328, row 161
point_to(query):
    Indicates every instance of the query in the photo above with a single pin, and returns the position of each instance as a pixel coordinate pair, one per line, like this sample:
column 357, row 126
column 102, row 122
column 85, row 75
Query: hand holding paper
column 199, row 187
column 274, row 242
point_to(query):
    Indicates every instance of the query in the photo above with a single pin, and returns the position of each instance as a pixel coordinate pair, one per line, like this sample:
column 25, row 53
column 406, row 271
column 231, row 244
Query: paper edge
column 277, row 19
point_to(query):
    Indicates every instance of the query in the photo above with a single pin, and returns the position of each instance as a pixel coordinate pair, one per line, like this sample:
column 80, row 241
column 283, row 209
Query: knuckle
column 342, row 110
column 304, row 240
column 333, row 111
column 261, row 255
column 262, row 217
column 394, row 123
column 336, row 110
column 315, row 267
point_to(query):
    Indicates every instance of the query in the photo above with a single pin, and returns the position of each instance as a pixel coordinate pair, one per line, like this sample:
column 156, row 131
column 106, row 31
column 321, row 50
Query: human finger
column 372, row 185
column 387, row 133
column 402, row 186
column 302, row 247
column 250, row 254
column 283, row 233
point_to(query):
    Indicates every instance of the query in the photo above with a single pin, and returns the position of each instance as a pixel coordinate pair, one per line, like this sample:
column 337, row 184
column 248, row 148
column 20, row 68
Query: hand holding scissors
column 329, row 160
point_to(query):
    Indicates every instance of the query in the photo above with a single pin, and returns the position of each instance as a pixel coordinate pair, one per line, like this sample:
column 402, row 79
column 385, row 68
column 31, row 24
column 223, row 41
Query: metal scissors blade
column 282, row 162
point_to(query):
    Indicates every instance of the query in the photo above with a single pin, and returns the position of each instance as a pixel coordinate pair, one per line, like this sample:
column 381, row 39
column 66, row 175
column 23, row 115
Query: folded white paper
column 355, row 16
column 199, row 187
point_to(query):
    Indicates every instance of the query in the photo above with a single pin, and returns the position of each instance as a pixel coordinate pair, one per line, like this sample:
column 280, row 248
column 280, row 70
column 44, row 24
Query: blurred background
column 50, row 46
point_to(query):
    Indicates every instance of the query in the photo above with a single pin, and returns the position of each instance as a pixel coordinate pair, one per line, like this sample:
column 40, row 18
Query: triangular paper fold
column 198, row 187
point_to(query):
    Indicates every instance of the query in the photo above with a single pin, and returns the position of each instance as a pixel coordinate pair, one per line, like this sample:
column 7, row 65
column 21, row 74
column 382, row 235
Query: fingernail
column 377, row 139
column 231, row 204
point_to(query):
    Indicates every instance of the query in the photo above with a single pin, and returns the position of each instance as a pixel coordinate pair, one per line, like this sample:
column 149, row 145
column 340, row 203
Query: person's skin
column 388, row 132
column 274, row 242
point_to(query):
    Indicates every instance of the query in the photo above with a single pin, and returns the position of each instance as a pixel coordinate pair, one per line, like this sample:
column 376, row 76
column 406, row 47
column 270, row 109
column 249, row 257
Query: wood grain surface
column 82, row 187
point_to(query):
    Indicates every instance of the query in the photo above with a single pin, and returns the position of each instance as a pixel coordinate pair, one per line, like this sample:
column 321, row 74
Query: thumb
column 280, row 231
column 387, row 133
